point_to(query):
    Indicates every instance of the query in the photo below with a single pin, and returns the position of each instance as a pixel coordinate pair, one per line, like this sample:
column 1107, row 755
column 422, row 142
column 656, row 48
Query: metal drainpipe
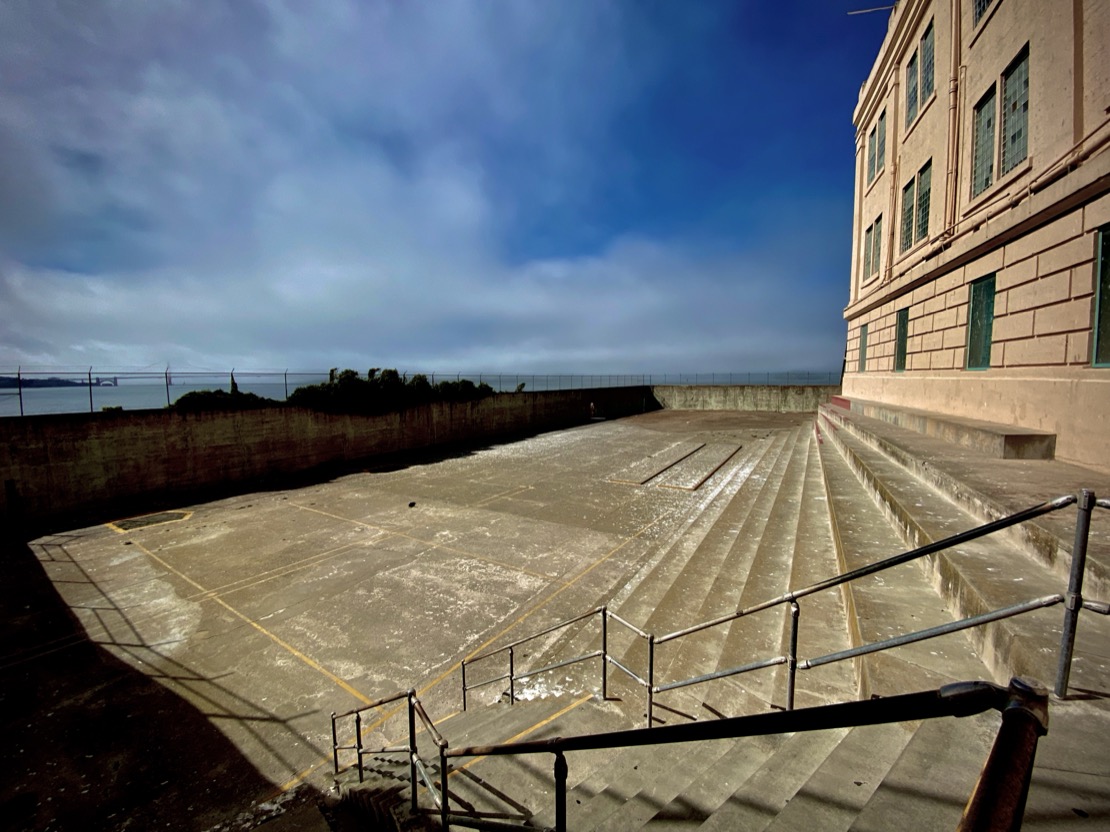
column 952, row 177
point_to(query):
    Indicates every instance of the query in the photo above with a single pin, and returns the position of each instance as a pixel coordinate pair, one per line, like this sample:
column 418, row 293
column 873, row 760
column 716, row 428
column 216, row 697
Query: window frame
column 909, row 201
column 981, row 148
column 980, row 336
column 1006, row 164
column 912, row 99
column 979, row 9
column 872, row 151
column 1100, row 330
column 862, row 365
column 928, row 45
column 880, row 155
column 901, row 338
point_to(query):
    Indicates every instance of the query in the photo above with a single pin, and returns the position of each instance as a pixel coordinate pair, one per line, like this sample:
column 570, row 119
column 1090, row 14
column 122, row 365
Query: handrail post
column 792, row 656
column 358, row 744
column 512, row 678
column 334, row 747
column 463, row 666
column 651, row 678
column 998, row 802
column 604, row 654
column 1073, row 601
column 412, row 749
column 443, row 808
column 560, row 792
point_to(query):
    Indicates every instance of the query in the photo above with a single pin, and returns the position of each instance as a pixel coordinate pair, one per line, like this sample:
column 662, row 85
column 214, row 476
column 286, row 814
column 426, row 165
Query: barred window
column 1102, row 300
column 863, row 348
column 928, row 61
column 924, row 192
column 907, row 215
column 872, row 148
column 911, row 89
column 877, row 242
column 1015, row 113
column 982, row 144
column 980, row 323
column 880, row 156
column 867, row 252
column 901, row 336
column 980, row 9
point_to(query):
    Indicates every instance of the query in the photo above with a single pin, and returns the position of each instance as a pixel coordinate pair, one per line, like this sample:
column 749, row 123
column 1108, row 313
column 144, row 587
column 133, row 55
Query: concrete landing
column 989, row 438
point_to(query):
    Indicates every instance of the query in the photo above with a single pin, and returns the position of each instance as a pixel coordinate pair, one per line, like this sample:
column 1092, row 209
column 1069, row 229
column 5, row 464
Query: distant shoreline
column 14, row 382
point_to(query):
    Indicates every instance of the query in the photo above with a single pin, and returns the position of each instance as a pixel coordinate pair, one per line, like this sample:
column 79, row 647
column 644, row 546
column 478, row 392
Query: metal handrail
column 1025, row 719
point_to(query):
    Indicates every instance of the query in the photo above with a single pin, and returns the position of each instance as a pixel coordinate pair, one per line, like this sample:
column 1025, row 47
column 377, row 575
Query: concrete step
column 929, row 785
column 638, row 590
column 989, row 438
column 763, row 795
column 761, row 635
column 891, row 603
column 839, row 789
column 822, row 620
column 989, row 488
column 982, row 576
column 765, row 519
column 687, row 794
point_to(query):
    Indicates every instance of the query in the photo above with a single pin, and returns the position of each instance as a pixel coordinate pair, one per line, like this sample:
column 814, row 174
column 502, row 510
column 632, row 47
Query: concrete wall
column 60, row 471
column 786, row 399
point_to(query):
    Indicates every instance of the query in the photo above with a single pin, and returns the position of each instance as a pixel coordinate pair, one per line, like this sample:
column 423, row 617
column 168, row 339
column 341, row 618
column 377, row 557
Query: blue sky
column 509, row 185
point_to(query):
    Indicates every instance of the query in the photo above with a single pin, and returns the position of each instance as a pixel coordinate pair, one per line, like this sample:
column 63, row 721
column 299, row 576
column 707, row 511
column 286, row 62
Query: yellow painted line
column 437, row 545
column 315, row 665
column 528, row 731
column 118, row 530
column 512, row 492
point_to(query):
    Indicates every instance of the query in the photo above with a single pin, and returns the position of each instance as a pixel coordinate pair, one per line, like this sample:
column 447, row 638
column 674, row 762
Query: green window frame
column 877, row 242
column 907, row 215
column 980, row 323
column 901, row 338
column 1101, row 349
column 911, row 89
column 1015, row 112
column 924, row 193
column 982, row 144
column 872, row 150
column 880, row 155
column 867, row 252
column 928, row 62
column 980, row 9
column 862, row 348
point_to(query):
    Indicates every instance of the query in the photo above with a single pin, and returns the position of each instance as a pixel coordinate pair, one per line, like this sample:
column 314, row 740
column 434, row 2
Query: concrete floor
column 262, row 614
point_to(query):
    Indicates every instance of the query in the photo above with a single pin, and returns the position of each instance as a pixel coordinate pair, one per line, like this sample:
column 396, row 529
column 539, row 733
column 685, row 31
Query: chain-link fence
column 26, row 392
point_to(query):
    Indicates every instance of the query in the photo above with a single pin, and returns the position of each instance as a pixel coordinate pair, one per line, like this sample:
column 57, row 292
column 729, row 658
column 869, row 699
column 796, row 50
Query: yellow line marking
column 527, row 731
column 437, row 545
column 315, row 665
column 512, row 492
column 118, row 530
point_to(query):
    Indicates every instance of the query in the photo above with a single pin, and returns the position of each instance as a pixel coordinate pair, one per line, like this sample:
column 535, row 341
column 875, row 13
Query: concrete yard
column 178, row 673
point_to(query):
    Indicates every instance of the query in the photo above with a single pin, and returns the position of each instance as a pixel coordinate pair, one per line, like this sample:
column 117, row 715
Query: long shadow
column 91, row 743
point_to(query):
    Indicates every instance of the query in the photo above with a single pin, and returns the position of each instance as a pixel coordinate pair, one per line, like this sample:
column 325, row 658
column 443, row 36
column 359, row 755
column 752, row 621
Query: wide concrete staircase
column 788, row 511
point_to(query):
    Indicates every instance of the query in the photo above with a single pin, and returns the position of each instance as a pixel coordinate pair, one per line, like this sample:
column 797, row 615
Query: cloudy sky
column 504, row 185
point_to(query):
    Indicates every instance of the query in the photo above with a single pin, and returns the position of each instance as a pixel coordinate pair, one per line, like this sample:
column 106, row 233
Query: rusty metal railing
column 999, row 793
column 418, row 771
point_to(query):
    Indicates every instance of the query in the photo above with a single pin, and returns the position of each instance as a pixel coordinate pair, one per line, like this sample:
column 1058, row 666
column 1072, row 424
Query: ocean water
column 129, row 396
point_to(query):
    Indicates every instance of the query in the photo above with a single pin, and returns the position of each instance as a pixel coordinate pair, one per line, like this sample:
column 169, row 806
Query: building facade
column 980, row 282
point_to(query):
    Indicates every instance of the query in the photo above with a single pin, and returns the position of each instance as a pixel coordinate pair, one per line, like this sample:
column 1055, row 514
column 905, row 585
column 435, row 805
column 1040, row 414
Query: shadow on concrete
column 91, row 743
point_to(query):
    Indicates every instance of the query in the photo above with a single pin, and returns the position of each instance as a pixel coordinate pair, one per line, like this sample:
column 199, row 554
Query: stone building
column 980, row 280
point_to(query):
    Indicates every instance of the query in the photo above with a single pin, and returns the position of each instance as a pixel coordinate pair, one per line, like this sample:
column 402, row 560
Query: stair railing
column 418, row 771
column 1073, row 601
column 1000, row 792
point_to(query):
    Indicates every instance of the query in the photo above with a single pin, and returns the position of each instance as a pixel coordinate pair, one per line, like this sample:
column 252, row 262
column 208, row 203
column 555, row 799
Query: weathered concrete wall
column 787, row 399
column 62, row 470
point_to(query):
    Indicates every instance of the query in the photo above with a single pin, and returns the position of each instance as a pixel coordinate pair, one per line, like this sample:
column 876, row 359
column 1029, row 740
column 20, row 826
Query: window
column 924, row 193
column 1015, row 113
column 915, row 207
column 876, row 149
column 880, row 156
column 863, row 348
column 911, row 89
column 872, row 243
column 1102, row 300
column 980, row 9
column 1014, row 135
column 980, row 321
column 928, row 62
column 901, row 336
column 872, row 147
column 907, row 215
column 982, row 144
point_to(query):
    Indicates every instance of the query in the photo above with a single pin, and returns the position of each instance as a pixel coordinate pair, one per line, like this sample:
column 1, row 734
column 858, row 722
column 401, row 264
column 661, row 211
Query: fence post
column 560, row 792
column 651, row 678
column 334, row 747
column 604, row 653
column 412, row 749
column 91, row 409
column 167, row 387
column 512, row 677
column 358, row 744
column 463, row 667
column 287, row 385
column 443, row 794
column 792, row 657
column 1073, row 602
column 19, row 382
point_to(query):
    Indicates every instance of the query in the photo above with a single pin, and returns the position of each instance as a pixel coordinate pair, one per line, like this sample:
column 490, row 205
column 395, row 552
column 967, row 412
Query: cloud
column 423, row 185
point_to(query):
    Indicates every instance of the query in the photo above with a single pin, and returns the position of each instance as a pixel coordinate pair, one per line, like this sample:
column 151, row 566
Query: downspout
column 952, row 179
column 893, row 148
